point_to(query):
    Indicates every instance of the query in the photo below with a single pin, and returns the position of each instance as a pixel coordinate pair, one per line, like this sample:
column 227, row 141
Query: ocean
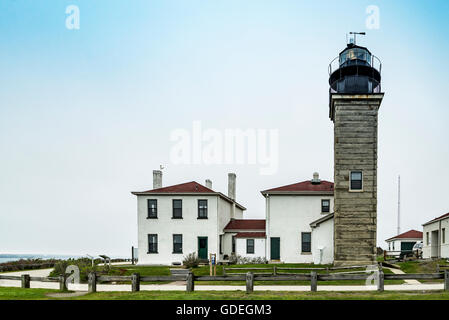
column 14, row 257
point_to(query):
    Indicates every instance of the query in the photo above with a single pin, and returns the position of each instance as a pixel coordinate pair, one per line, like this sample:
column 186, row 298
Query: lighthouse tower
column 354, row 100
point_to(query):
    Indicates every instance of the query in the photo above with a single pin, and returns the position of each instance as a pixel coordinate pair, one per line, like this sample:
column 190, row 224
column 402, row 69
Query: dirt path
column 397, row 271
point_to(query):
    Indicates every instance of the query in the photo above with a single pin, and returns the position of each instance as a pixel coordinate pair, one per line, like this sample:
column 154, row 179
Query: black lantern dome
column 355, row 71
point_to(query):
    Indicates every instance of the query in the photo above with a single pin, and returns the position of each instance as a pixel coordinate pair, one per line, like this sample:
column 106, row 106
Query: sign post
column 213, row 263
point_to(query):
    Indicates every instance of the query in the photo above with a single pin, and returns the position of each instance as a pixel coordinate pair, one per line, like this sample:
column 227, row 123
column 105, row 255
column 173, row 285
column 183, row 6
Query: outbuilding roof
column 317, row 222
column 304, row 187
column 411, row 234
column 246, row 224
column 251, row 235
column 438, row 218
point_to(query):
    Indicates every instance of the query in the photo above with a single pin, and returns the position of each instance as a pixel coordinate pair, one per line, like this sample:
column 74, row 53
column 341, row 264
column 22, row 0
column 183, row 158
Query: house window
column 325, row 204
column 233, row 244
column 202, row 209
column 177, row 209
column 152, row 209
column 443, row 234
column 393, row 245
column 177, row 243
column 152, row 243
column 249, row 245
column 427, row 238
column 356, row 180
column 306, row 242
column 221, row 243
column 389, row 246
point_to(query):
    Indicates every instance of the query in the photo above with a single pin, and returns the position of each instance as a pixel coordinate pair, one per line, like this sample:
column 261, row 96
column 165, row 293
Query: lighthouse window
column 356, row 180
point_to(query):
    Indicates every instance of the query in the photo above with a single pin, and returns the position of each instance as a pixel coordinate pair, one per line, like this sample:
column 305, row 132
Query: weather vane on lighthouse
column 354, row 39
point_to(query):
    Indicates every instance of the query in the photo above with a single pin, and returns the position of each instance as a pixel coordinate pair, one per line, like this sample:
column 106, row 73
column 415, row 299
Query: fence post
column 380, row 281
column 249, row 282
column 92, row 282
column 438, row 268
column 313, row 281
column 190, row 286
column 274, row 271
column 132, row 254
column 25, row 280
column 62, row 284
column 224, row 270
column 446, row 280
column 135, row 282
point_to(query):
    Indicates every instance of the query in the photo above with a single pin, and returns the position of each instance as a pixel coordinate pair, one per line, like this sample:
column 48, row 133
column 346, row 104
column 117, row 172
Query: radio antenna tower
column 399, row 204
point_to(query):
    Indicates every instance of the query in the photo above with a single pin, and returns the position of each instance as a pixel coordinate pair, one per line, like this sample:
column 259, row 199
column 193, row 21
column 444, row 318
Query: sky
column 88, row 111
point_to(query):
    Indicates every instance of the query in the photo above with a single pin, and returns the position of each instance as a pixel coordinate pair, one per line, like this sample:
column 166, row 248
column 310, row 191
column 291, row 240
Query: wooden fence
column 282, row 270
column 313, row 277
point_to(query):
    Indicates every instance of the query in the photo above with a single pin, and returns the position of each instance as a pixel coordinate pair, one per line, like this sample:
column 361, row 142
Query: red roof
column 436, row 219
column 305, row 186
column 412, row 234
column 187, row 187
column 246, row 224
column 250, row 235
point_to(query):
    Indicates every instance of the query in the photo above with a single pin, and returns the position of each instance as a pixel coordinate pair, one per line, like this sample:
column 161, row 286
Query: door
column 202, row 248
column 275, row 245
column 407, row 246
column 434, row 241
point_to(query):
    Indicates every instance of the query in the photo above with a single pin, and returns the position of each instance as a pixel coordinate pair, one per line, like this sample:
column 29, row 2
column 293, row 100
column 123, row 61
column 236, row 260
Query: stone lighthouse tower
column 354, row 100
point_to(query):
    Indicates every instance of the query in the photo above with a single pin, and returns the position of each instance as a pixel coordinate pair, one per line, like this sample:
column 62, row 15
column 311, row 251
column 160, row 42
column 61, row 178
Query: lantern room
column 355, row 71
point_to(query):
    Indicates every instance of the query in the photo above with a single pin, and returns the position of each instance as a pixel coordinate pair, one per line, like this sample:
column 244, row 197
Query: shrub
column 233, row 258
column 249, row 260
column 84, row 265
column 191, row 260
column 238, row 259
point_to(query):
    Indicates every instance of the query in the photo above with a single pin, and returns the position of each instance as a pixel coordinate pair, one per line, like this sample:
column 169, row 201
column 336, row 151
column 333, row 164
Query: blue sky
column 86, row 115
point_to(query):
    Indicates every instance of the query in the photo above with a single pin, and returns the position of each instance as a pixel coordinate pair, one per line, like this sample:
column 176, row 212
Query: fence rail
column 313, row 277
column 280, row 270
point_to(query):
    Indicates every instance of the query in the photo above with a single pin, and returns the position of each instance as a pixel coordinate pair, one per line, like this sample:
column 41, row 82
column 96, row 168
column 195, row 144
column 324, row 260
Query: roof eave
column 144, row 193
column 391, row 239
column 434, row 220
column 243, row 230
column 308, row 193
column 317, row 222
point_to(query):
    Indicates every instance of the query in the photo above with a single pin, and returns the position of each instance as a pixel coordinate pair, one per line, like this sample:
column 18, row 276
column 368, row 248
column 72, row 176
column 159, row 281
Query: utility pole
column 399, row 204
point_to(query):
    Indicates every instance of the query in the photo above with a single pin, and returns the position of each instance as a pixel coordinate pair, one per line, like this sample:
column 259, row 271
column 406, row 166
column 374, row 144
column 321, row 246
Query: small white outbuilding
column 436, row 244
column 323, row 240
column 403, row 243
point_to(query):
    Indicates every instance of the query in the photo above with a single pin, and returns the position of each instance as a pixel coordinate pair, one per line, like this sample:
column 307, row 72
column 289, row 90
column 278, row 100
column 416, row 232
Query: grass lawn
column 40, row 294
column 429, row 266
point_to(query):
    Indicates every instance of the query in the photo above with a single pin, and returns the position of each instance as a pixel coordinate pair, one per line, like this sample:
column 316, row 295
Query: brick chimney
column 231, row 185
column 157, row 179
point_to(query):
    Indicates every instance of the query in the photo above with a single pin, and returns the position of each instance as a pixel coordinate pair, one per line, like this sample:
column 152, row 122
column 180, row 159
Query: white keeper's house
column 436, row 242
column 176, row 220
column 186, row 218
column 300, row 224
